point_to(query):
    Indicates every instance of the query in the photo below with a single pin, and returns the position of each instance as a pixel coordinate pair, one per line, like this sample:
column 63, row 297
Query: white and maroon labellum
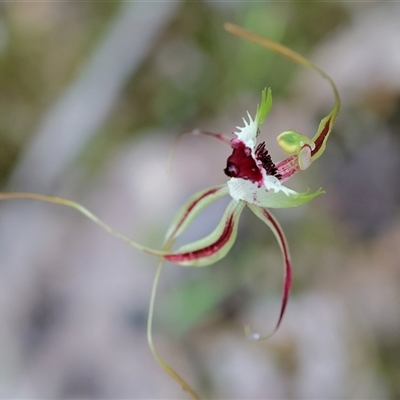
column 243, row 164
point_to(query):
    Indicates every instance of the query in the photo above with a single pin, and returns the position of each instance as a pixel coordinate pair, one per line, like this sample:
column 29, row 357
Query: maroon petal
column 271, row 221
column 213, row 247
column 190, row 210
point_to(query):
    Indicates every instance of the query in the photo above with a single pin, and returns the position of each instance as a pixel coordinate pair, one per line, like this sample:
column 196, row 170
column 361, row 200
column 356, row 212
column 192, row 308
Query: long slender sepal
column 83, row 210
column 273, row 224
column 326, row 124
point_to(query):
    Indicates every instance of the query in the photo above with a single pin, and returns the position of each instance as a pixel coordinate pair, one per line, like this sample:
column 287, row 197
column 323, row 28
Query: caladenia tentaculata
column 254, row 180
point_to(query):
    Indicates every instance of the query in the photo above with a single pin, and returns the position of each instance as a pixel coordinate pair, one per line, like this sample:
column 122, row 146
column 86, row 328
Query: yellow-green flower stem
column 169, row 370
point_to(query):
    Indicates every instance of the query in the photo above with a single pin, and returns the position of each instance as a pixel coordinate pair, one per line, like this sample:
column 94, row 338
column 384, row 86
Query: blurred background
column 92, row 95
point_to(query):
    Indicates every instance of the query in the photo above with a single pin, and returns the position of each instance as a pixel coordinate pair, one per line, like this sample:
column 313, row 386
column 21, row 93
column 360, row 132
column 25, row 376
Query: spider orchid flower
column 254, row 180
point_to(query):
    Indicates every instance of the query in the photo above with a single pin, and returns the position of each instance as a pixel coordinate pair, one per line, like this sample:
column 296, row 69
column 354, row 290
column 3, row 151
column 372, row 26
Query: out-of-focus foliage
column 42, row 46
column 74, row 302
